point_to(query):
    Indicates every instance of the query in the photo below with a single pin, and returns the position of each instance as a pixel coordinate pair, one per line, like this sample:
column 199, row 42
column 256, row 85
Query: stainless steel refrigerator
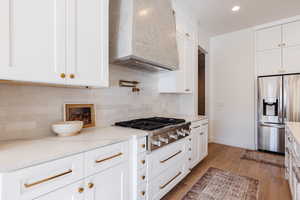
column 278, row 103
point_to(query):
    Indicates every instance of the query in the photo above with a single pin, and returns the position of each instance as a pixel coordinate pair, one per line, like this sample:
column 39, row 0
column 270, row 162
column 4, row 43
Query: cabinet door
column 204, row 142
column 269, row 38
column 33, row 39
column 189, row 63
column 87, row 63
column 195, row 149
column 291, row 59
column 291, row 34
column 71, row 192
column 269, row 62
column 111, row 184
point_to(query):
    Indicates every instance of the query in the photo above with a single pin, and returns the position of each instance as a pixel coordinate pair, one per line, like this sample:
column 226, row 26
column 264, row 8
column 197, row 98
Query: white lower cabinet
column 71, row 192
column 111, row 184
column 199, row 143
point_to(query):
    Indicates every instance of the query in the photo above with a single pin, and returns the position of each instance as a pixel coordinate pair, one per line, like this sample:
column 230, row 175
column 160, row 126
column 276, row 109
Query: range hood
column 143, row 34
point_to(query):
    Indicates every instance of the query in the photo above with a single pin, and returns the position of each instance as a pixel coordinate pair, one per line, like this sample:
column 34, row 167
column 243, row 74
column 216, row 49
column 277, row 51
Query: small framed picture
column 80, row 112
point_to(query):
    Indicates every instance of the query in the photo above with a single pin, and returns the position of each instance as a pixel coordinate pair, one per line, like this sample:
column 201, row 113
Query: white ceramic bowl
column 67, row 128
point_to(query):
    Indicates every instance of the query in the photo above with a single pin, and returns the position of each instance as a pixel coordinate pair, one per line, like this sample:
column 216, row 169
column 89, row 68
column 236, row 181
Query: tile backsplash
column 29, row 111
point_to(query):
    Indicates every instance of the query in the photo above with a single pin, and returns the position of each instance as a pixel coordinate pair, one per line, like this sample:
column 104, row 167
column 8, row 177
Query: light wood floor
column 273, row 186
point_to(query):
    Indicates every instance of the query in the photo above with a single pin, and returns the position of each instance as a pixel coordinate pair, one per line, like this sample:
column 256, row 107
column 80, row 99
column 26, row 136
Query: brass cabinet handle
column 109, row 158
column 143, row 161
column 91, row 185
column 28, row 185
column 163, row 161
column 143, row 177
column 81, row 190
column 72, row 76
column 62, row 75
column 143, row 193
column 143, row 146
column 170, row 181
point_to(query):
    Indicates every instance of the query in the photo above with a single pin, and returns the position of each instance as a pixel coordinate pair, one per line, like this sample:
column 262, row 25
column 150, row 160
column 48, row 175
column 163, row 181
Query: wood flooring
column 273, row 186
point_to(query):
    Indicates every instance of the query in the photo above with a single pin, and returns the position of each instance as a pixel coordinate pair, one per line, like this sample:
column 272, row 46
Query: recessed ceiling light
column 236, row 8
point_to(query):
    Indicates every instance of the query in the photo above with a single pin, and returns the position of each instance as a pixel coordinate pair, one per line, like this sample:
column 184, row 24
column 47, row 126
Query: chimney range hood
column 143, row 34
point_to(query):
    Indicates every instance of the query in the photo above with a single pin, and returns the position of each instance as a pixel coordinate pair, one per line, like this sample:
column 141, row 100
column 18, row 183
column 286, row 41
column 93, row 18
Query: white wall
column 232, row 89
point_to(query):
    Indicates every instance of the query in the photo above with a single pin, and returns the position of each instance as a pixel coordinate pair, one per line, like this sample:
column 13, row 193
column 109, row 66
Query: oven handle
column 163, row 161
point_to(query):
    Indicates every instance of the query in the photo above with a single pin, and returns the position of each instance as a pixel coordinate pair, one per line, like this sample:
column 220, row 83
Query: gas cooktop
column 150, row 124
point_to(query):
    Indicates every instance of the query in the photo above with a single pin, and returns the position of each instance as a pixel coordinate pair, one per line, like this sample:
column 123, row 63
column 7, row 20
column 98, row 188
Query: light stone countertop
column 18, row 154
column 294, row 127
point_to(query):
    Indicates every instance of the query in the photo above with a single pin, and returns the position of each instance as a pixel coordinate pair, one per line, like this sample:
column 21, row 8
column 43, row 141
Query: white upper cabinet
column 88, row 43
column 181, row 81
column 269, row 62
column 278, row 49
column 33, row 40
column 54, row 41
column 291, row 34
column 267, row 39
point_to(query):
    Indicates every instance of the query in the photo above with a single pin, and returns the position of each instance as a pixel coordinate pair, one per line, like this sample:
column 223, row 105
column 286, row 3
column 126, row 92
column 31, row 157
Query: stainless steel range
column 162, row 131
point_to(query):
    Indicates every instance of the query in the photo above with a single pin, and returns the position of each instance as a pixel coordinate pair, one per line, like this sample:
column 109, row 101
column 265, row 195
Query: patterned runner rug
column 266, row 158
column 217, row 184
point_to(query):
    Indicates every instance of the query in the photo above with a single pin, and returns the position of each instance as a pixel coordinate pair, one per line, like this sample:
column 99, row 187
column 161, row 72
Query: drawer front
column 35, row 181
column 142, row 145
column 166, row 181
column 105, row 157
column 199, row 124
column 142, row 160
column 167, row 157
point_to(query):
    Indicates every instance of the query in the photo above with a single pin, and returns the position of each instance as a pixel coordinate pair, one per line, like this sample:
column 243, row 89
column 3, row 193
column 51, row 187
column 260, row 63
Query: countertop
column 18, row 154
column 294, row 127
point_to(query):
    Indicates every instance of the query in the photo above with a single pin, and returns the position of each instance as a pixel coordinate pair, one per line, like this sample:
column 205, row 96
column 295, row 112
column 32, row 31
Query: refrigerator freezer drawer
column 271, row 138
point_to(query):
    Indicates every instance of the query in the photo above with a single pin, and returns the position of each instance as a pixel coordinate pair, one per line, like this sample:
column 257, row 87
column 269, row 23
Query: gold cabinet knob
column 81, row 190
column 143, row 146
column 62, row 75
column 143, row 177
column 143, row 193
column 143, row 161
column 72, row 76
column 91, row 185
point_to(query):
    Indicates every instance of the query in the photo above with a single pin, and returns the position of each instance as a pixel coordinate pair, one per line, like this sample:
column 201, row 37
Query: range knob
column 156, row 143
column 174, row 136
column 180, row 133
column 162, row 139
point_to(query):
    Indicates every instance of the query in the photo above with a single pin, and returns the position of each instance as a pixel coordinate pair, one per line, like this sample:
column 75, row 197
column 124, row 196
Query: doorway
column 201, row 82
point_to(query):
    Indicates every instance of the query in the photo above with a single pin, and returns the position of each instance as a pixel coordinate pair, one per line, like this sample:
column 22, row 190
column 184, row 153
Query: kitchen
column 127, row 71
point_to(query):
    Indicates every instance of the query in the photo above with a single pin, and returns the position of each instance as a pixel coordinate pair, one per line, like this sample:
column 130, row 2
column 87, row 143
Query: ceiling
column 216, row 16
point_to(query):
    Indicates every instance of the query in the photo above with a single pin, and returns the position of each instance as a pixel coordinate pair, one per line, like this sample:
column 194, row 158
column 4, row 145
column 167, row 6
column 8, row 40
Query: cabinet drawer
column 105, row 157
column 167, row 157
column 142, row 145
column 161, row 185
column 199, row 124
column 35, row 181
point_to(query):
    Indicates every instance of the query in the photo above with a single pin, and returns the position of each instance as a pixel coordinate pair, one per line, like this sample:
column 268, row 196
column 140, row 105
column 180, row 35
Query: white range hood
column 143, row 34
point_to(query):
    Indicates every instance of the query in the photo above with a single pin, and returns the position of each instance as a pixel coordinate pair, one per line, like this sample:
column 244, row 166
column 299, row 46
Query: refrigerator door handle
column 272, row 125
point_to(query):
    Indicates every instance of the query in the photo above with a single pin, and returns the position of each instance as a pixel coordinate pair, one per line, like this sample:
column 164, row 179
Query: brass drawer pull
column 163, row 161
column 109, row 158
column 72, row 76
column 91, row 185
column 170, row 181
column 143, row 146
column 81, row 190
column 62, row 75
column 143, row 177
column 143, row 161
column 28, row 185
